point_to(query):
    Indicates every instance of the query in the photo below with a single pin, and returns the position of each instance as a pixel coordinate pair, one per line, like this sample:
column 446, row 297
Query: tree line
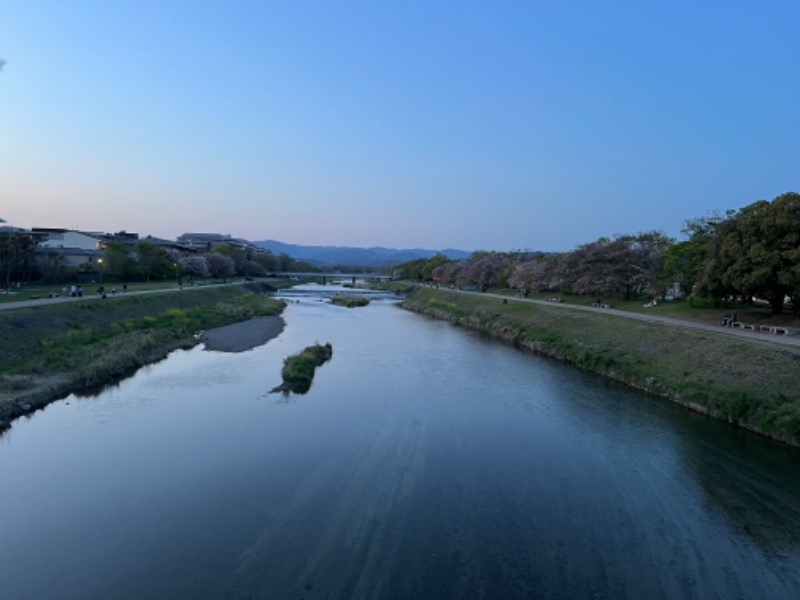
column 16, row 258
column 144, row 261
column 750, row 253
column 149, row 261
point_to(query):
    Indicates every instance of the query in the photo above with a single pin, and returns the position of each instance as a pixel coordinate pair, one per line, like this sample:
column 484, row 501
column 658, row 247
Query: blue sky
column 474, row 125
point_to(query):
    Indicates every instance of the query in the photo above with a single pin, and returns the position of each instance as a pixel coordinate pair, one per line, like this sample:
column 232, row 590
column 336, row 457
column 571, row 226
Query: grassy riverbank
column 48, row 351
column 752, row 385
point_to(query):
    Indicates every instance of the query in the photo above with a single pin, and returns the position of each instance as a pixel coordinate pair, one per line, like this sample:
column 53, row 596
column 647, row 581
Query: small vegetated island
column 298, row 369
column 349, row 300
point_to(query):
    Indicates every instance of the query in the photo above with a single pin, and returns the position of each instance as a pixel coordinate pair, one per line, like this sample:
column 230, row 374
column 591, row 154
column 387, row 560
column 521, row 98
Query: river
column 426, row 462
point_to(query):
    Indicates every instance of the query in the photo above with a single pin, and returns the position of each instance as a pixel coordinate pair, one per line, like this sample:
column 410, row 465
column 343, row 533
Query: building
column 59, row 251
column 56, row 259
column 203, row 242
column 47, row 237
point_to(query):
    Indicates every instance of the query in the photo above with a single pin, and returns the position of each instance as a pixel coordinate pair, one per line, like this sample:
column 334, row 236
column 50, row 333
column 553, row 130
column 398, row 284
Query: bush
column 298, row 369
column 349, row 301
column 702, row 301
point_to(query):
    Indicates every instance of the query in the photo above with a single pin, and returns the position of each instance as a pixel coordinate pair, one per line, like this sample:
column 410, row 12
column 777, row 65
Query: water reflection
column 425, row 462
column 752, row 482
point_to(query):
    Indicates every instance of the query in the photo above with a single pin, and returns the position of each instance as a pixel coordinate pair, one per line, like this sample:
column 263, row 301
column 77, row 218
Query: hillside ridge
column 376, row 256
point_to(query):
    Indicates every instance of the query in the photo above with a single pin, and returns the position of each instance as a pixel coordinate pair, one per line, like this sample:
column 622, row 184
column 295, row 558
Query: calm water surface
column 425, row 462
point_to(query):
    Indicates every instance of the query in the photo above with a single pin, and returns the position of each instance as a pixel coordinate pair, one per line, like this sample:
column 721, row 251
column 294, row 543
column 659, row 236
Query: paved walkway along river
column 754, row 336
column 94, row 296
column 750, row 335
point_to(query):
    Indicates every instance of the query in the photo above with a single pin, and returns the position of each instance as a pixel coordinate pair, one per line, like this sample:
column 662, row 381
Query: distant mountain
column 329, row 256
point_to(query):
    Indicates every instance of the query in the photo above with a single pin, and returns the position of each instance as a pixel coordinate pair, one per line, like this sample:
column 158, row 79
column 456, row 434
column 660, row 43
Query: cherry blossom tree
column 195, row 265
column 625, row 266
column 539, row 274
column 220, row 266
column 486, row 269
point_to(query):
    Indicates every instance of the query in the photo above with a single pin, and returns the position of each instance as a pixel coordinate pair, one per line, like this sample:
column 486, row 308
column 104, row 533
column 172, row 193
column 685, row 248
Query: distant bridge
column 331, row 276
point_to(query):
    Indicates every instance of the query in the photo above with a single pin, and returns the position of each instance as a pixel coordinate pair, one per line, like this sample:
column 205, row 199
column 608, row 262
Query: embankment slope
column 46, row 352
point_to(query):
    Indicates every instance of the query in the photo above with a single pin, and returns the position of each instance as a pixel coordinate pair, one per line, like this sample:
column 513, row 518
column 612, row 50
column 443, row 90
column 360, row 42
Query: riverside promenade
column 749, row 335
column 47, row 301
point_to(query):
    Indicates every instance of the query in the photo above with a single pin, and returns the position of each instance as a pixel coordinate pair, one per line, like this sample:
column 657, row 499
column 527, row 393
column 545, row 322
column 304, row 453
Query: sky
column 493, row 125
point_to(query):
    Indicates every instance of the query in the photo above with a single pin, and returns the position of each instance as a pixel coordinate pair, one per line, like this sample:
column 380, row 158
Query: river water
column 425, row 462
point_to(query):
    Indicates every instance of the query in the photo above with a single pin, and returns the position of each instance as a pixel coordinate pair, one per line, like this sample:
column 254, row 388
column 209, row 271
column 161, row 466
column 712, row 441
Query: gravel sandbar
column 246, row 335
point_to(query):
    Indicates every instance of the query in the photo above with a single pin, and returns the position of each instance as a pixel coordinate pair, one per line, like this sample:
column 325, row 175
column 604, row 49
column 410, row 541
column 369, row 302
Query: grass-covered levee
column 749, row 383
column 51, row 350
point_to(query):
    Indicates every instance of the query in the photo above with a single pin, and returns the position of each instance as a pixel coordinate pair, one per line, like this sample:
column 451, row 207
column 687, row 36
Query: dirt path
column 109, row 296
column 754, row 336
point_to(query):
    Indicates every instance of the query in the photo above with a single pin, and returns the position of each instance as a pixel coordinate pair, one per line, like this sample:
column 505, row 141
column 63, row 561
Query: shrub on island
column 350, row 301
column 298, row 369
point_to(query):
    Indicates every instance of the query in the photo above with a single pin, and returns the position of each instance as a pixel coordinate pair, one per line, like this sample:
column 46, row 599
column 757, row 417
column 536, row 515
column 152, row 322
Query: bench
column 778, row 330
column 773, row 329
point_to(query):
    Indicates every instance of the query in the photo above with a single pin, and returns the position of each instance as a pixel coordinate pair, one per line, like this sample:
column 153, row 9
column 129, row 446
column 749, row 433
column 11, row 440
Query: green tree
column 411, row 269
column 239, row 256
column 6, row 257
column 154, row 261
column 117, row 262
column 270, row 262
column 17, row 259
column 756, row 252
column 52, row 265
column 433, row 263
column 685, row 260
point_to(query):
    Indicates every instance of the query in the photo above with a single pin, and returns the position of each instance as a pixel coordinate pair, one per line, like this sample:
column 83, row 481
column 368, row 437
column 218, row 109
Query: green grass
column 43, row 290
column 397, row 287
column 298, row 369
column 350, row 301
column 677, row 309
column 95, row 341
